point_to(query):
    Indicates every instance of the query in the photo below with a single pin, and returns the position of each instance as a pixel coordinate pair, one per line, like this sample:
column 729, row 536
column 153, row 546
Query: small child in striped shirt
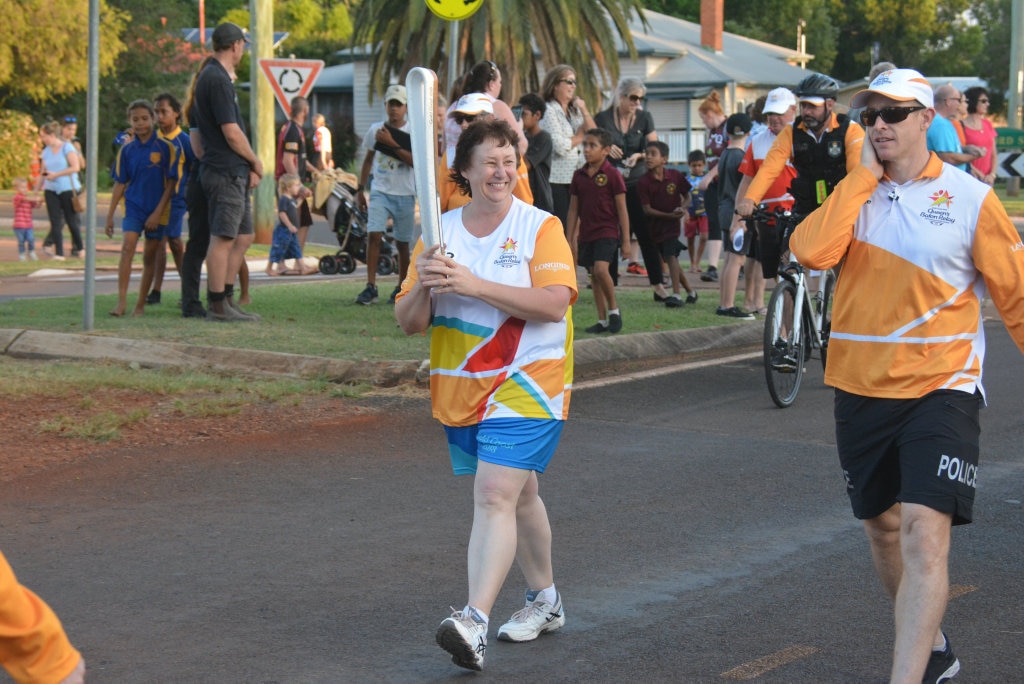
column 23, row 226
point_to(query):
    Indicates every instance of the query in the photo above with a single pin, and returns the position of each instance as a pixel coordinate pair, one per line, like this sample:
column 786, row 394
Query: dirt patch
column 40, row 434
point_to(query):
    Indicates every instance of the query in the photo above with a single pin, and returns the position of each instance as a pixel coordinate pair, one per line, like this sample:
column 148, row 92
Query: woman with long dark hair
column 484, row 77
column 978, row 130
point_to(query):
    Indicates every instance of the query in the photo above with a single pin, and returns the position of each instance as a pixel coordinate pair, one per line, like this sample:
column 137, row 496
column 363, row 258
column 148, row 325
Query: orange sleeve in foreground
column 33, row 645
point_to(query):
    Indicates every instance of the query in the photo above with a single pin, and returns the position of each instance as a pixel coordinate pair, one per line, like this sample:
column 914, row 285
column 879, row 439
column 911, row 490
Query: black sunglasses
column 635, row 98
column 569, row 81
column 464, row 118
column 890, row 115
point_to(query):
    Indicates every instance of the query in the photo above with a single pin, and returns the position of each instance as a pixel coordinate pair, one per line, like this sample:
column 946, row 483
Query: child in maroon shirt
column 664, row 194
column 597, row 224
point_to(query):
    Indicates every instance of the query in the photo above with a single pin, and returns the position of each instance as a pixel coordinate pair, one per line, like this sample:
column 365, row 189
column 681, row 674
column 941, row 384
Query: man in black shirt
column 230, row 170
column 291, row 158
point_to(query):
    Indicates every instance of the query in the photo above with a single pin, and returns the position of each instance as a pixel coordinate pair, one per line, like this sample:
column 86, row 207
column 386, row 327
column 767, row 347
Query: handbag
column 78, row 201
column 77, row 195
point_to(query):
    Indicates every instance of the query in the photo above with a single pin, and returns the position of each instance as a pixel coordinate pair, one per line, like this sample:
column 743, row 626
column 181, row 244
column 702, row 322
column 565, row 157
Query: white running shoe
column 464, row 638
column 535, row 618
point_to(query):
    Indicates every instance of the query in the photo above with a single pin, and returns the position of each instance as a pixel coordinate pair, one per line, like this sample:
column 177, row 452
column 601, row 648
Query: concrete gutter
column 594, row 356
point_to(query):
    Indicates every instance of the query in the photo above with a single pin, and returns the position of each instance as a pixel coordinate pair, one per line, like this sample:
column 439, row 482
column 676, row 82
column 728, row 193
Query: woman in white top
column 566, row 120
column 484, row 77
column 59, row 172
column 322, row 143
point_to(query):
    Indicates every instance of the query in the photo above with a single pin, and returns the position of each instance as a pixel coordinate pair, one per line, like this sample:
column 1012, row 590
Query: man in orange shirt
column 921, row 244
column 823, row 147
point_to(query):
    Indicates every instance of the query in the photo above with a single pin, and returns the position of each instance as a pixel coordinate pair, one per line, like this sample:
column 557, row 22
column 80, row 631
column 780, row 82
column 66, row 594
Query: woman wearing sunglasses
column 565, row 120
column 632, row 127
column 978, row 130
column 484, row 77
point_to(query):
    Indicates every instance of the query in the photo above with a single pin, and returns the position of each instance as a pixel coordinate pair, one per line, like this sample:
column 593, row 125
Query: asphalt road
column 701, row 535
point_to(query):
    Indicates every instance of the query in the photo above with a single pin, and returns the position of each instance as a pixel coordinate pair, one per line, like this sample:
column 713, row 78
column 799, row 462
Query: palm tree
column 404, row 33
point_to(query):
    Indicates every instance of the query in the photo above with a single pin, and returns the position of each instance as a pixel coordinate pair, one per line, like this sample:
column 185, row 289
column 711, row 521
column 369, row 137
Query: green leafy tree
column 775, row 22
column 315, row 29
column 17, row 135
column 44, row 47
column 577, row 32
column 912, row 33
column 994, row 20
column 681, row 9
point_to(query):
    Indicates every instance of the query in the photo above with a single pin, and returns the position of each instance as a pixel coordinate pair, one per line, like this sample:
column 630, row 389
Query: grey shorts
column 401, row 209
column 922, row 451
column 227, row 196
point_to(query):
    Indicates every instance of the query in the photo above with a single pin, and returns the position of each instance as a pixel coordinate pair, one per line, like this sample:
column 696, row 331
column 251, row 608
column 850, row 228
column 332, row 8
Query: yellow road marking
column 756, row 668
column 958, row 590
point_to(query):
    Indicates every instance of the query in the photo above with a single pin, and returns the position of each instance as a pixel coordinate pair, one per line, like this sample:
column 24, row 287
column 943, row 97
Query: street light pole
column 1016, row 84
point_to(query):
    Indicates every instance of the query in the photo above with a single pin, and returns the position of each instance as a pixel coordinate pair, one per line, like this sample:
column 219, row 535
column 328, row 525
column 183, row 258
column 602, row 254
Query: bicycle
column 798, row 321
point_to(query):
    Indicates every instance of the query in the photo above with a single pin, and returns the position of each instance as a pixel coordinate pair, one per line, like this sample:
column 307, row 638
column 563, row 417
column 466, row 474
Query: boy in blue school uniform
column 144, row 176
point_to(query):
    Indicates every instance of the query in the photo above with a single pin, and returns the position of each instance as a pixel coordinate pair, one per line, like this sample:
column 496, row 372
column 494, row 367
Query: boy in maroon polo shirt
column 597, row 224
column 664, row 195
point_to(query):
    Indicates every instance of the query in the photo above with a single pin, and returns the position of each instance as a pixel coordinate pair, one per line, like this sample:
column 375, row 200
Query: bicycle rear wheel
column 783, row 360
column 826, row 313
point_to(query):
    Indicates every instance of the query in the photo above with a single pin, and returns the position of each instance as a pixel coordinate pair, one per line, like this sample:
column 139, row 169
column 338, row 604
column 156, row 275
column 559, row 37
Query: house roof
column 192, row 36
column 339, row 78
column 691, row 67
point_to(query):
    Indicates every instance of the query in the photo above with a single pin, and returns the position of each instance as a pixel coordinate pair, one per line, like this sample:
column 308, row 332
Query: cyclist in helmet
column 822, row 145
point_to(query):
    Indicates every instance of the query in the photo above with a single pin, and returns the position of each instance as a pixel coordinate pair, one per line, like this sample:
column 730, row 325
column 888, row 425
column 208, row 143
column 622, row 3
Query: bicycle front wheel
column 783, row 352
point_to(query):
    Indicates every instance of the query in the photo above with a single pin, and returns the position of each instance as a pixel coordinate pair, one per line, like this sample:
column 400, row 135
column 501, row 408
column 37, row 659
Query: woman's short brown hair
column 477, row 133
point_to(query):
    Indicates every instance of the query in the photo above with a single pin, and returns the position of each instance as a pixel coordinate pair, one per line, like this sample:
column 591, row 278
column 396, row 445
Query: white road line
column 662, row 370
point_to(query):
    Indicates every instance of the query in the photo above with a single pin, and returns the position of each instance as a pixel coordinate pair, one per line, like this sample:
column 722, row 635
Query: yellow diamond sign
column 454, row 10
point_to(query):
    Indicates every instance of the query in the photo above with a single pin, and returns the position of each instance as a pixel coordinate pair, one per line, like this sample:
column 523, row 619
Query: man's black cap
column 225, row 35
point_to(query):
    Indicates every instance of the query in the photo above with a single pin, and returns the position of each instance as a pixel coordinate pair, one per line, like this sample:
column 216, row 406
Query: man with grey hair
column 942, row 137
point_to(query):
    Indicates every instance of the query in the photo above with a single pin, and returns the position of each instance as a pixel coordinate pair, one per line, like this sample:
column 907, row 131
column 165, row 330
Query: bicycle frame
column 796, row 274
column 798, row 321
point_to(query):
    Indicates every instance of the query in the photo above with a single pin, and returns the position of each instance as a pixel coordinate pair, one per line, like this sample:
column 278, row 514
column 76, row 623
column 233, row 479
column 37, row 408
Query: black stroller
column 349, row 225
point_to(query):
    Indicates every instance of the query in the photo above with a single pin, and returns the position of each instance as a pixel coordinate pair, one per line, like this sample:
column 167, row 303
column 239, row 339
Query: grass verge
column 321, row 319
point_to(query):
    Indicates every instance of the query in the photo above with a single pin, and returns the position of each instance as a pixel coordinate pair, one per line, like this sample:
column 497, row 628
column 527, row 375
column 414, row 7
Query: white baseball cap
column 474, row 103
column 899, row 84
column 396, row 92
column 779, row 101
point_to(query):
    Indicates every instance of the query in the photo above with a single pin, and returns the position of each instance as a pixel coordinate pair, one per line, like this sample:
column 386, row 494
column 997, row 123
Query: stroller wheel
column 328, row 264
column 346, row 264
column 386, row 265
